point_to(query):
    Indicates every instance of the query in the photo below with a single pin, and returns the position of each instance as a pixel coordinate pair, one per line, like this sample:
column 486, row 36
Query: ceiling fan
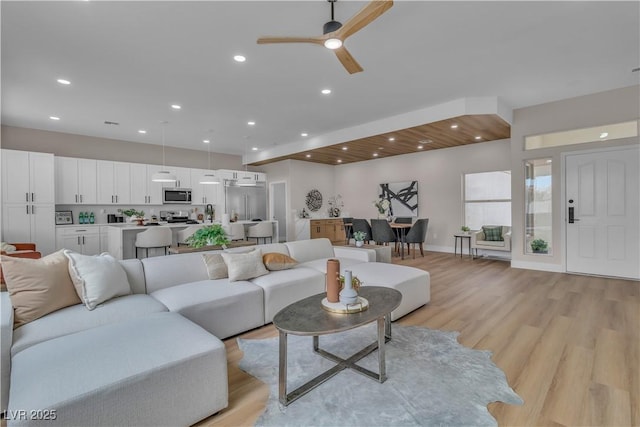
column 335, row 33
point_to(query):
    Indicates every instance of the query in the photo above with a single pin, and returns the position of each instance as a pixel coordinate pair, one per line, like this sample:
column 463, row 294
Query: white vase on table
column 359, row 243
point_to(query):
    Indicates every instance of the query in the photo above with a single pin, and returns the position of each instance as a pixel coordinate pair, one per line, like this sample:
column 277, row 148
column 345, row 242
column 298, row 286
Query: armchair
column 478, row 240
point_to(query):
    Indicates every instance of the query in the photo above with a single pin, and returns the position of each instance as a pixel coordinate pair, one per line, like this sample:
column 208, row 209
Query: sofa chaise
column 155, row 356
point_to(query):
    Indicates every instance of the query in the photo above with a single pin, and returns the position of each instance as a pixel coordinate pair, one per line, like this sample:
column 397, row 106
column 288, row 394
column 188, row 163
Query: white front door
column 603, row 213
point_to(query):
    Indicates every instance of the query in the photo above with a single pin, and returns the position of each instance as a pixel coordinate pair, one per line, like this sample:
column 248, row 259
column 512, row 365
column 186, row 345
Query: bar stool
column 182, row 235
column 156, row 237
column 261, row 230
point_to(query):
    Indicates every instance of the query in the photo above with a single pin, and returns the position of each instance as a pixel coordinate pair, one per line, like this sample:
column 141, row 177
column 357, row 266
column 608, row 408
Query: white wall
column 603, row 108
column 439, row 175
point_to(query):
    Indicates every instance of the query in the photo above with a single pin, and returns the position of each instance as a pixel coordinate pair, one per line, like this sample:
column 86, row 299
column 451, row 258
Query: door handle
column 26, row 195
column 572, row 217
column 33, row 197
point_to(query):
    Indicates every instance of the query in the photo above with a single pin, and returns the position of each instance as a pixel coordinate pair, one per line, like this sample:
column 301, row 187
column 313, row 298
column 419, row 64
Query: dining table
column 402, row 227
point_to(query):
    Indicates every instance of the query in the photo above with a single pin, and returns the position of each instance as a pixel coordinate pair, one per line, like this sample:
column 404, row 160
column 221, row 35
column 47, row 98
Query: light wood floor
column 568, row 344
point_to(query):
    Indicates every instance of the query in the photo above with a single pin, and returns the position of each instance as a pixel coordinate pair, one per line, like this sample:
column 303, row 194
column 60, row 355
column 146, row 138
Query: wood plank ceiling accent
column 429, row 136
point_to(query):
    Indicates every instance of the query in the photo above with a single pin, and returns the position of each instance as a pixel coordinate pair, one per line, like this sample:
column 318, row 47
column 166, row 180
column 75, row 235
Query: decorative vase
column 333, row 280
column 140, row 221
column 348, row 295
column 382, row 215
column 359, row 243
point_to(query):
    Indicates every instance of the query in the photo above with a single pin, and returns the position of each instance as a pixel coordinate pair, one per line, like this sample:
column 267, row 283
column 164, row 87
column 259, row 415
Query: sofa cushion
column 498, row 243
column 38, row 287
column 282, row 288
column 164, row 271
column 77, row 318
column 216, row 267
column 97, row 278
column 220, row 307
column 308, row 250
column 414, row 284
column 275, row 261
column 245, row 266
column 140, row 372
column 492, row 234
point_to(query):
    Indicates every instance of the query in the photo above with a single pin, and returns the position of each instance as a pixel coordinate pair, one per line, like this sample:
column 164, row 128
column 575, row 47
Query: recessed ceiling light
column 142, row 131
column 375, row 154
column 254, row 148
column 454, row 126
column 176, row 106
column 604, row 135
column 206, row 141
column 239, row 58
column 64, row 81
column 548, row 161
column 425, row 141
column 380, row 148
column 304, row 134
column 345, row 148
column 339, row 160
column 392, row 139
column 252, row 123
column 54, row 118
column 326, row 91
column 477, row 138
column 308, row 155
column 420, row 147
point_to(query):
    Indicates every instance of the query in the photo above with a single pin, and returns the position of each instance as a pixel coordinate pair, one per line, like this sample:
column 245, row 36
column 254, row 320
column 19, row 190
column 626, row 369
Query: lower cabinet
column 84, row 240
column 332, row 229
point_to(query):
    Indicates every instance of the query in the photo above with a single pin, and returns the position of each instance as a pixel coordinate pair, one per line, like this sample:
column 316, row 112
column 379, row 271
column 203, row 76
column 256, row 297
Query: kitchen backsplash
column 100, row 212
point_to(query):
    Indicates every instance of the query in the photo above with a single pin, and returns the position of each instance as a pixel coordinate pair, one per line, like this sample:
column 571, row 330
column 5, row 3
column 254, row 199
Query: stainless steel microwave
column 176, row 196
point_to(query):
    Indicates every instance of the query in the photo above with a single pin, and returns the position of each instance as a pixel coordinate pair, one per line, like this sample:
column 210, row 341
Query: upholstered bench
column 413, row 283
column 160, row 369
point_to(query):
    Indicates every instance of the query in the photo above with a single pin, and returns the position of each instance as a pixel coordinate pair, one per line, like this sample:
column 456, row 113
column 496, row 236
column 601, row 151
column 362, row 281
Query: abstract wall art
column 403, row 197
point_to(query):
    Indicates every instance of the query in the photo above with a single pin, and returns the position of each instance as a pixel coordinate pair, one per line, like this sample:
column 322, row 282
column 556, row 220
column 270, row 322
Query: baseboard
column 541, row 266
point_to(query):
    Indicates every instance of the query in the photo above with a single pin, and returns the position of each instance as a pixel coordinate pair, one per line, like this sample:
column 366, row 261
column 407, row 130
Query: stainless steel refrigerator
column 248, row 202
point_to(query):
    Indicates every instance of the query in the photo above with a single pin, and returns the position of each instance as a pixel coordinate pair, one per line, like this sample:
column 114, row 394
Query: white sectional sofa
column 155, row 357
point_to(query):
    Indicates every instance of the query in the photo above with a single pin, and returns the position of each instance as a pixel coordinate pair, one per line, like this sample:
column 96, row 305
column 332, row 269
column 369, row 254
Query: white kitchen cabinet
column 202, row 194
column 113, row 183
column 242, row 176
column 84, row 240
column 183, row 176
column 28, row 196
column 143, row 190
column 76, row 181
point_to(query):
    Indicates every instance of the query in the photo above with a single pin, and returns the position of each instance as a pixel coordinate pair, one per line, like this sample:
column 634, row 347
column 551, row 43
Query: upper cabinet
column 114, row 183
column 76, row 181
column 183, row 176
column 143, row 190
column 27, row 177
column 242, row 176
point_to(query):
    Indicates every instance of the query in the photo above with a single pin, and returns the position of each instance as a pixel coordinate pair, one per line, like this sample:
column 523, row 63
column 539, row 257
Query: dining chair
column 417, row 234
column 362, row 225
column 382, row 231
column 261, row 230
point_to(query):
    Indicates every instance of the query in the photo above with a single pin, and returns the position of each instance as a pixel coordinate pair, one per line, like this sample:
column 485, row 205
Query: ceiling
column 129, row 61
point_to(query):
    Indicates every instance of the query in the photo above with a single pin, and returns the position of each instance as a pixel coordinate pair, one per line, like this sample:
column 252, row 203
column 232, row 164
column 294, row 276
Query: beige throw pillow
column 97, row 278
column 275, row 261
column 216, row 267
column 38, row 287
column 244, row 266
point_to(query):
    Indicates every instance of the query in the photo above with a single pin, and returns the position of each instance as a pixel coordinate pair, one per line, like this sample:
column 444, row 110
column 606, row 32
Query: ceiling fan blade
column 364, row 17
column 270, row 39
column 348, row 61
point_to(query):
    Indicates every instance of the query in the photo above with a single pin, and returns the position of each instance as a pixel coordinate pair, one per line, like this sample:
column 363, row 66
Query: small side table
column 461, row 237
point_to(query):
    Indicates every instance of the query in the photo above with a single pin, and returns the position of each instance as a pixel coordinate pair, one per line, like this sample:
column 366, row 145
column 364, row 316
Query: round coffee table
column 307, row 317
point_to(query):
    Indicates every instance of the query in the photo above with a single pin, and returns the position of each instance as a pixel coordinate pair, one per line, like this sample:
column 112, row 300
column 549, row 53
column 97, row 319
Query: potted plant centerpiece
column 539, row 246
column 382, row 205
column 465, row 229
column 138, row 216
column 359, row 237
column 211, row 235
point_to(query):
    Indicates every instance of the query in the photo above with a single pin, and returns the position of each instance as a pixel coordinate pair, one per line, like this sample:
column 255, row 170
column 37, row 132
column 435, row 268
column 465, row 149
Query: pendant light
column 209, row 177
column 246, row 180
column 163, row 175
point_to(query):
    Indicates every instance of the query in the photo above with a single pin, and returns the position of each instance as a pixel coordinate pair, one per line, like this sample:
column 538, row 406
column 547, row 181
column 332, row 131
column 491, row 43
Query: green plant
column 359, row 236
column 539, row 245
column 132, row 212
column 465, row 228
column 209, row 235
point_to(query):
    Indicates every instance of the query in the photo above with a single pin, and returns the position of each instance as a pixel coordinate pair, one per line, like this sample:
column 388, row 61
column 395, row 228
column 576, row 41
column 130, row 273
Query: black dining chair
column 348, row 228
column 362, row 225
column 417, row 234
column 382, row 231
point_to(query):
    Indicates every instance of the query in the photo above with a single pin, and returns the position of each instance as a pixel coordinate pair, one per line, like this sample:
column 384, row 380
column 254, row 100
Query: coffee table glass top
column 307, row 317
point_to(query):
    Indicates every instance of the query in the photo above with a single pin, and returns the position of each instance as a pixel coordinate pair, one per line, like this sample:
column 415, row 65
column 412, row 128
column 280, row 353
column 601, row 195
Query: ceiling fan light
column 163, row 176
column 209, row 178
column 333, row 43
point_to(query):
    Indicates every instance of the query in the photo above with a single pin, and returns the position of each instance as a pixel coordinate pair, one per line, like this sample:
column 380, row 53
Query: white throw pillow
column 244, row 266
column 97, row 278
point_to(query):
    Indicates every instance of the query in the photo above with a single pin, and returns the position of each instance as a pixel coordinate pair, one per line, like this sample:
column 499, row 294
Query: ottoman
column 413, row 283
column 157, row 370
